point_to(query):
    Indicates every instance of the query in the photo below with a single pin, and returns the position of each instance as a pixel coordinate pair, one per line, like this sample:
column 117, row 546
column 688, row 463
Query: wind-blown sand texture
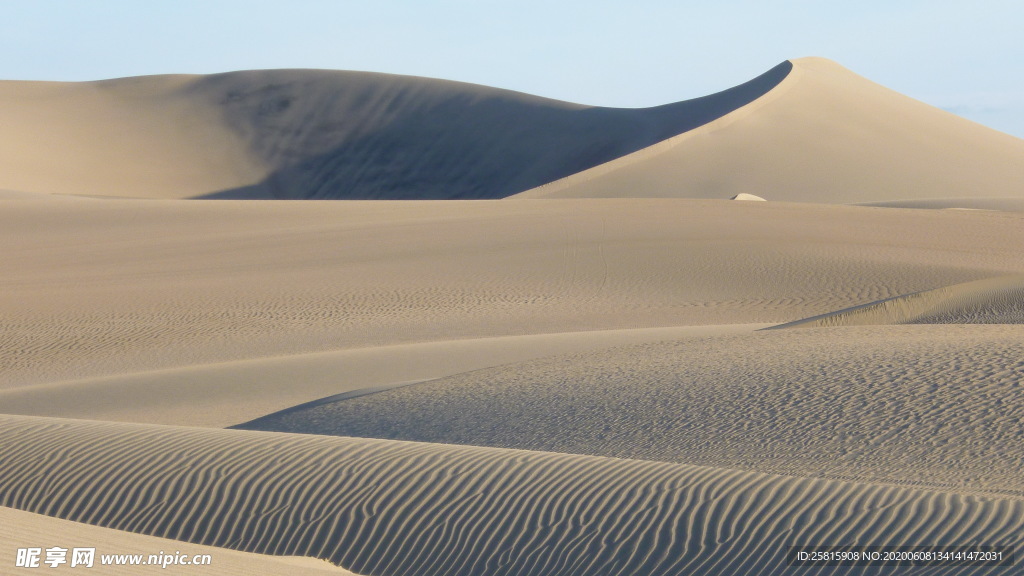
column 383, row 507
column 998, row 300
column 271, row 384
column 922, row 405
column 578, row 380
column 133, row 286
column 20, row 529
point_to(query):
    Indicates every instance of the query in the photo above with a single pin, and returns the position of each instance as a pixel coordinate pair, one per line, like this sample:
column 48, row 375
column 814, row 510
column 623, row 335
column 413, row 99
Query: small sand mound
column 745, row 196
column 990, row 301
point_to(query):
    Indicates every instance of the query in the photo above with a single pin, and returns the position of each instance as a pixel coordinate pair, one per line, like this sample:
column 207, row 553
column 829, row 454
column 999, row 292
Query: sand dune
column 318, row 134
column 936, row 406
column 20, row 529
column 580, row 366
column 228, row 393
column 997, row 300
column 330, row 134
column 105, row 288
column 145, row 137
column 382, row 507
column 824, row 134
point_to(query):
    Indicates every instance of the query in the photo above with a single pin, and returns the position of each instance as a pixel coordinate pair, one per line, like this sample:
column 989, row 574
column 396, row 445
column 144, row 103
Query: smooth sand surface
column 807, row 130
column 386, row 507
column 823, row 134
column 147, row 137
column 318, row 134
column 19, row 529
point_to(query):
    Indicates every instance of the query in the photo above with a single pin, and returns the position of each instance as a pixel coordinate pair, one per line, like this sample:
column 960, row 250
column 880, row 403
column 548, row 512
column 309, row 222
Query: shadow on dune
column 360, row 136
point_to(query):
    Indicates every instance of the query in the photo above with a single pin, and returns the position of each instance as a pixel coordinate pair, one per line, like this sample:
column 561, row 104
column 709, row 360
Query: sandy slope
column 824, row 134
column 385, row 507
column 998, row 300
column 807, row 130
column 145, row 136
column 104, row 288
column 318, row 134
column 228, row 393
column 935, row 406
column 20, row 529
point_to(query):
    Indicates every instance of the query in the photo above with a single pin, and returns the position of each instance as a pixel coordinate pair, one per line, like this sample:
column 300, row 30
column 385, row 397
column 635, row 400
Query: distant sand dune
column 936, row 406
column 823, row 134
column 997, row 300
column 396, row 509
column 318, row 134
column 807, row 130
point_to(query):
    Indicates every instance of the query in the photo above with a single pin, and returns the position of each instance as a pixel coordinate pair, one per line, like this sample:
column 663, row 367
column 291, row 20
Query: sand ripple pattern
column 400, row 509
column 937, row 406
column 135, row 286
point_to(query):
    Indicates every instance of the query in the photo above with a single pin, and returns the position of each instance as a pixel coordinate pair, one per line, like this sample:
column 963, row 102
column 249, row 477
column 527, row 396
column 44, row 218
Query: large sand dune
column 806, row 130
column 824, row 134
column 318, row 134
column 383, row 507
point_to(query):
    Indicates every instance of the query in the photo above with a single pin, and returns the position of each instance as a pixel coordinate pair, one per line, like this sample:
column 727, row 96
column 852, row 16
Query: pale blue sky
column 966, row 57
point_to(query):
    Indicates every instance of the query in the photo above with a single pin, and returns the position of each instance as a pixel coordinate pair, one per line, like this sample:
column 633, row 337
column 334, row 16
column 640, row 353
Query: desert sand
column 869, row 144
column 20, row 529
column 586, row 360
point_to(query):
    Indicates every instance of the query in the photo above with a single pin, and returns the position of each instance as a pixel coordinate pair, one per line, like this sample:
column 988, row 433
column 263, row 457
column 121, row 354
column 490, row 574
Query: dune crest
column 823, row 134
column 301, row 134
column 807, row 130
